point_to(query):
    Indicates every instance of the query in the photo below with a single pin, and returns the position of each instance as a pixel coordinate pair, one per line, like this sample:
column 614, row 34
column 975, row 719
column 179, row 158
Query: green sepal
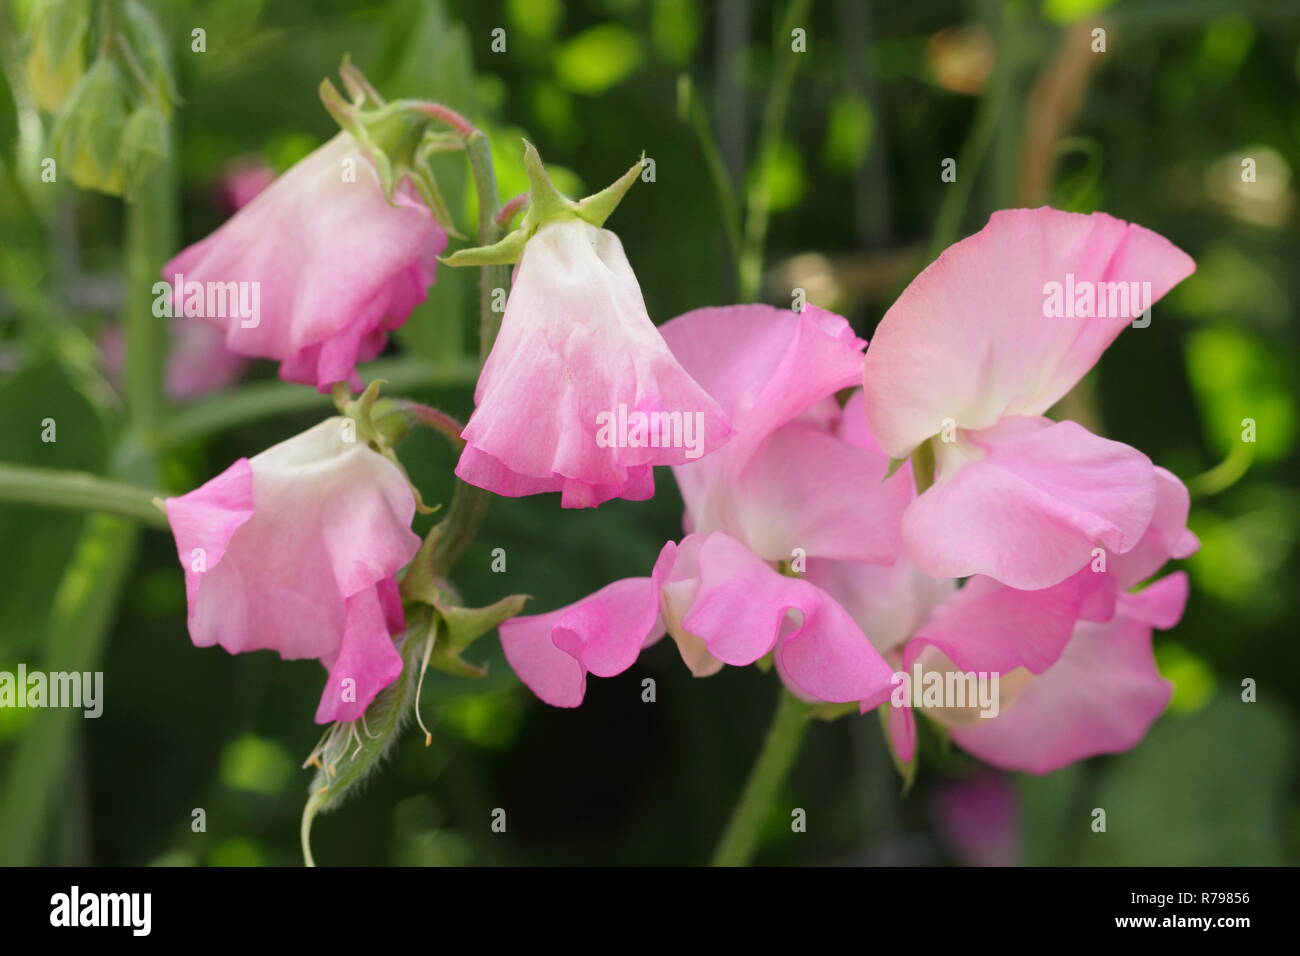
column 393, row 137
column 502, row 253
column 546, row 204
column 596, row 208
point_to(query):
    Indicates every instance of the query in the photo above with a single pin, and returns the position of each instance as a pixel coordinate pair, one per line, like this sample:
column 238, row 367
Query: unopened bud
column 89, row 128
column 57, row 58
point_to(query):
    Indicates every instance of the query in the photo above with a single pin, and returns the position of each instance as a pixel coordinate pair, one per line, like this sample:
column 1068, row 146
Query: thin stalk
column 469, row 504
column 55, row 488
column 84, row 608
column 253, row 402
column 757, row 212
column 780, row 748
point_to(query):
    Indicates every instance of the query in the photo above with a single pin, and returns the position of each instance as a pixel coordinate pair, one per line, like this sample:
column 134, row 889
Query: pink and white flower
column 336, row 266
column 296, row 551
column 788, row 487
column 577, row 346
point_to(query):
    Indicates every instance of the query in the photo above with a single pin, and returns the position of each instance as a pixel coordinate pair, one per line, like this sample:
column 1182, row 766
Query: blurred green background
column 1153, row 130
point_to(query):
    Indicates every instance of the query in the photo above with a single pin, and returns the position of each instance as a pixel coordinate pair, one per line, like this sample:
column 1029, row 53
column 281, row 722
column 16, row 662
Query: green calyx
column 451, row 628
column 547, row 204
column 398, row 138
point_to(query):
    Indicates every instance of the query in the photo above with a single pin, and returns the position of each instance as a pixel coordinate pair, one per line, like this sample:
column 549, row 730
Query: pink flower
column 326, row 263
column 980, row 816
column 198, row 361
column 242, row 179
column 580, row 394
column 1076, row 676
column 789, row 486
column 296, row 551
column 977, row 348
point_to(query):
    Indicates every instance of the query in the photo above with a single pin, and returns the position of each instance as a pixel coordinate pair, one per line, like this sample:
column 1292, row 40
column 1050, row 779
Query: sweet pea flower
column 296, row 551
column 323, row 265
column 788, row 487
column 577, row 357
column 976, row 349
column 1076, row 676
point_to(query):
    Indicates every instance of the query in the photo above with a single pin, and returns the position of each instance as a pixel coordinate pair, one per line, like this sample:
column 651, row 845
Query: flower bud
column 145, row 147
column 89, row 129
column 57, row 58
column 141, row 35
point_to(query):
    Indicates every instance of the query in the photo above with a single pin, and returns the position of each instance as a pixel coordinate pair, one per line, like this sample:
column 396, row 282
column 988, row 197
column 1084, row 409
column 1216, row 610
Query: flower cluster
column 932, row 522
column 893, row 527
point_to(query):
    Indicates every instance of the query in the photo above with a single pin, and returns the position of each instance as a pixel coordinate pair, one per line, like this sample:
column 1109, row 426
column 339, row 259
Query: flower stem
column 769, row 772
column 469, row 504
column 56, row 488
column 757, row 202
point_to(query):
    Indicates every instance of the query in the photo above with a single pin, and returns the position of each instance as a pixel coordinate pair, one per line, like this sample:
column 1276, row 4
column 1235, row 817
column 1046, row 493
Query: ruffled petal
column 367, row 661
column 333, row 263
column 580, row 388
column 602, row 634
column 1029, row 504
column 970, row 340
column 1101, row 696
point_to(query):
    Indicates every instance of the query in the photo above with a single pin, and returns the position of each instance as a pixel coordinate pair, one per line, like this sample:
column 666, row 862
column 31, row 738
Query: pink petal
column 806, row 489
column 204, row 521
column 336, row 265
column 1030, row 511
column 1100, row 697
column 330, row 520
column 740, row 612
column 989, row 627
column 969, row 339
column 602, row 634
column 367, row 659
column 889, row 602
column 576, row 345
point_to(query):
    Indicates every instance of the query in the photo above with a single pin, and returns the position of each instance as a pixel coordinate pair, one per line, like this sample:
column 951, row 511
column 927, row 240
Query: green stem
column 469, row 504
column 86, row 603
column 150, row 238
column 253, row 402
column 1223, row 475
column 698, row 116
column 774, row 112
column 55, row 488
column 84, row 608
column 769, row 772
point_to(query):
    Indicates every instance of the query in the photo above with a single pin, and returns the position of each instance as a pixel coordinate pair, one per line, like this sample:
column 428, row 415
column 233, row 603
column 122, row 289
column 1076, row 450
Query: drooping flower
column 580, row 394
column 787, row 488
column 322, row 264
column 296, row 550
column 976, row 349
